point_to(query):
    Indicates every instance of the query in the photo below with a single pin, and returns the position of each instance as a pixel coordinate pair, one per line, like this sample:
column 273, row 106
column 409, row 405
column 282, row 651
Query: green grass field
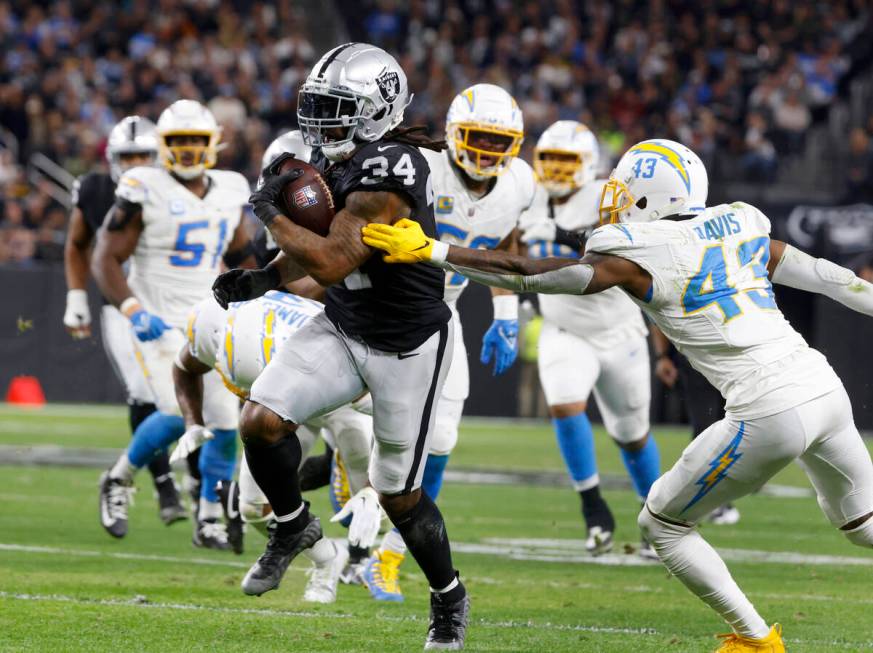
column 67, row 586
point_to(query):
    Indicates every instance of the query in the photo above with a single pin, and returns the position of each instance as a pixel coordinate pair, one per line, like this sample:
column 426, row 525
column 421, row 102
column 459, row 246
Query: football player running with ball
column 481, row 189
column 588, row 343
column 704, row 276
column 131, row 143
column 385, row 328
column 176, row 223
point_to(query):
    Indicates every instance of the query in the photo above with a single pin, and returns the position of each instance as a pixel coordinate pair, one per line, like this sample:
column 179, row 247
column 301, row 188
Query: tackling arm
column 188, row 383
column 791, row 267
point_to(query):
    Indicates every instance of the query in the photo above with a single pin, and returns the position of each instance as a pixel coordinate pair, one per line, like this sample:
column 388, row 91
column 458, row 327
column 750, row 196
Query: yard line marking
column 140, row 601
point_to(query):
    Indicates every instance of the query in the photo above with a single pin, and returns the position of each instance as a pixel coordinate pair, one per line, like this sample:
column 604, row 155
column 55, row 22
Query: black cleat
column 228, row 494
column 267, row 572
column 115, row 499
column 170, row 508
column 448, row 624
column 210, row 534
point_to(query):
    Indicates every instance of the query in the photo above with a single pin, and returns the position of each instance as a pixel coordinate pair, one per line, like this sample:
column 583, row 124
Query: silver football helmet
column 132, row 135
column 356, row 92
column 292, row 142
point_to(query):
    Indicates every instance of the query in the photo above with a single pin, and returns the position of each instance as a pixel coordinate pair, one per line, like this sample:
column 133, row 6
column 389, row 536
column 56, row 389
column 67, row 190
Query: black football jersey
column 94, row 194
column 391, row 307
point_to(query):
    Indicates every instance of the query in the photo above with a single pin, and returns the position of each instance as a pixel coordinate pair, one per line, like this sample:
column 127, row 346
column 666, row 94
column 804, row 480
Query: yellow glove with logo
column 403, row 242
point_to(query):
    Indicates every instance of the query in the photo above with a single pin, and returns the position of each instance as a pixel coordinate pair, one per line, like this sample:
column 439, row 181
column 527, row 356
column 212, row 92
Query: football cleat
column 323, row 579
column 170, row 508
column 772, row 643
column 192, row 487
column 599, row 541
column 115, row 499
column 448, row 624
column 210, row 534
column 381, row 574
column 267, row 572
column 228, row 494
column 726, row 515
column 353, row 574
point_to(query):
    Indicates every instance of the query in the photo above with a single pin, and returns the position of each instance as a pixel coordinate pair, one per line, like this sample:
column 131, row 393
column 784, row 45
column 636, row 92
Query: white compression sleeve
column 800, row 270
column 570, row 280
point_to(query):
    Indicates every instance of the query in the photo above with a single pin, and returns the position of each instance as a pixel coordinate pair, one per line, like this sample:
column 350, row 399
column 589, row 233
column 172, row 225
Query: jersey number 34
column 711, row 285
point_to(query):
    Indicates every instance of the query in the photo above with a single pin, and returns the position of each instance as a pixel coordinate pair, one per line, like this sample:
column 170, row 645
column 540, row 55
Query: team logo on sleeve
column 445, row 204
column 389, row 85
column 305, row 197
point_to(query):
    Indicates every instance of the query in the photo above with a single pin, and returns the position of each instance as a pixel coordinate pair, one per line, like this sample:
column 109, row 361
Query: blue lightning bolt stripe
column 718, row 468
column 669, row 155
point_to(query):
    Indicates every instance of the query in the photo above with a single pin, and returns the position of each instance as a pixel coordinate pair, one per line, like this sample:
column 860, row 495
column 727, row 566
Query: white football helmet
column 188, row 118
column 654, row 179
column 292, row 142
column 132, row 135
column 355, row 93
column 566, row 157
column 484, row 110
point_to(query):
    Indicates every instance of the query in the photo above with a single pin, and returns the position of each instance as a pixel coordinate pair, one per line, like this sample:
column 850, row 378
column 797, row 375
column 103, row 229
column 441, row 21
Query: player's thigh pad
column 836, row 460
column 311, row 374
column 405, row 388
column 448, row 419
column 220, row 405
column 158, row 357
column 568, row 366
column 124, row 357
column 729, row 460
column 624, row 390
column 457, row 385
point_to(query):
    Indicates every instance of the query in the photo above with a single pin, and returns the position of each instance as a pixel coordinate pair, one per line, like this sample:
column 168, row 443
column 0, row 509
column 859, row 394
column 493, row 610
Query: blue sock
column 217, row 461
column 154, row 434
column 576, row 442
column 643, row 466
column 432, row 481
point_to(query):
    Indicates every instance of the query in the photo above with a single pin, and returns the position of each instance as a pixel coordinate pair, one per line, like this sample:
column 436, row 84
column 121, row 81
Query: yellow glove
column 403, row 242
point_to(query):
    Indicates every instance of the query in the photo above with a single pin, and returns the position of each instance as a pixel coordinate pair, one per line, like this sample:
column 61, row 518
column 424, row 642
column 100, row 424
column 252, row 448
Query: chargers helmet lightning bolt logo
column 718, row 467
column 671, row 156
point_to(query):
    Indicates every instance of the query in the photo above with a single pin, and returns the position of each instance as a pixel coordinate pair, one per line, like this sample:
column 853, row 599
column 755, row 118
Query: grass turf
column 65, row 585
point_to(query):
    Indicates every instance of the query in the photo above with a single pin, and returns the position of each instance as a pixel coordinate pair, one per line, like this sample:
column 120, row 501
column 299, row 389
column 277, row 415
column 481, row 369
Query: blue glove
column 500, row 341
column 147, row 326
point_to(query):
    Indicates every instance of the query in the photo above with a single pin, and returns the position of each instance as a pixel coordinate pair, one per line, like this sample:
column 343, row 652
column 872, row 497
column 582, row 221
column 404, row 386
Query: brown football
column 307, row 200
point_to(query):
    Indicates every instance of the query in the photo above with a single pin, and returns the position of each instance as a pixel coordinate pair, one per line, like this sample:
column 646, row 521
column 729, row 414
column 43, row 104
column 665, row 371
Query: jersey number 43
column 711, row 284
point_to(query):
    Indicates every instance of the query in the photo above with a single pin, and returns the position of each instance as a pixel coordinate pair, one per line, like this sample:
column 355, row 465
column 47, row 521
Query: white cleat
column 599, row 541
column 323, row 579
column 726, row 515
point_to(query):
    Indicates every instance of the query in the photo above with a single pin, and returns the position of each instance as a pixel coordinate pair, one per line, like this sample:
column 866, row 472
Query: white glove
column 77, row 316
column 366, row 517
column 191, row 440
column 539, row 230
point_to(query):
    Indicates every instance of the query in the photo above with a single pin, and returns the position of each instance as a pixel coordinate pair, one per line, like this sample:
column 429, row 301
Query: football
column 307, row 200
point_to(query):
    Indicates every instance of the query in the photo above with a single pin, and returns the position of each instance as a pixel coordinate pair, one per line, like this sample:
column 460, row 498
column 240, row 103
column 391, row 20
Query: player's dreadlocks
column 417, row 136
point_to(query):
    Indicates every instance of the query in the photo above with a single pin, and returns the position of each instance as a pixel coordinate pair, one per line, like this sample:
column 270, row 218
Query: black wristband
column 573, row 239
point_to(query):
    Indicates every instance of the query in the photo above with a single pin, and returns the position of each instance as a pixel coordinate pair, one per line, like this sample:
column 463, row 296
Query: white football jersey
column 239, row 342
column 604, row 319
column 183, row 239
column 711, row 296
column 480, row 223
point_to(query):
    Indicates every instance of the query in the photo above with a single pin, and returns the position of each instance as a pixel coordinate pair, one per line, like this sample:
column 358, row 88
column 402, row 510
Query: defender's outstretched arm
column 791, row 267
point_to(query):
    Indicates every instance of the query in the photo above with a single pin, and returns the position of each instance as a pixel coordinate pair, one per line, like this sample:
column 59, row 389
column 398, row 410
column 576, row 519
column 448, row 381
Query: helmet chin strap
column 339, row 152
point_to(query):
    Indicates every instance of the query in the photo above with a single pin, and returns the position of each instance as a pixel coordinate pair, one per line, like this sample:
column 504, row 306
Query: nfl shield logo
column 305, row 197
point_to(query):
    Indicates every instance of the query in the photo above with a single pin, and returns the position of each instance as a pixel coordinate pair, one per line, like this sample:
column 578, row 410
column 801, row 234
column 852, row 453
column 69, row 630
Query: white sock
column 210, row 510
column 694, row 562
column 392, row 541
column 123, row 470
column 321, row 552
column 291, row 515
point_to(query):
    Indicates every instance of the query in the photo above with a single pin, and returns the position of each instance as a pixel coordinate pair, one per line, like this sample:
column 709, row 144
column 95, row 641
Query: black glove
column 266, row 199
column 242, row 285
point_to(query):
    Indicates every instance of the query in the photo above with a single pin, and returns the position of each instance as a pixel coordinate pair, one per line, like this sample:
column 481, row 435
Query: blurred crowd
column 742, row 78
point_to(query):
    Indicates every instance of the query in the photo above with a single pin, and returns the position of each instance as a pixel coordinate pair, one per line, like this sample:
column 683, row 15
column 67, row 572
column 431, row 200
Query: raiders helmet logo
column 389, row 85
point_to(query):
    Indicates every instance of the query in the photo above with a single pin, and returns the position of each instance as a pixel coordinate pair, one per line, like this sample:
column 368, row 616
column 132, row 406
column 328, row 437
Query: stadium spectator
column 859, row 168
